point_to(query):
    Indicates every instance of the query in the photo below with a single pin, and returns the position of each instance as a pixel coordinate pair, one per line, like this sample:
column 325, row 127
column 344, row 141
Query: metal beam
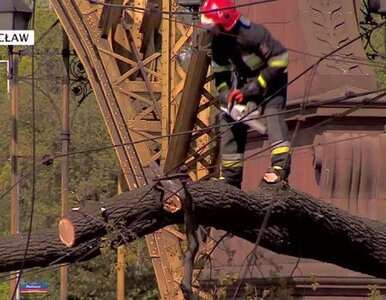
column 109, row 16
column 130, row 80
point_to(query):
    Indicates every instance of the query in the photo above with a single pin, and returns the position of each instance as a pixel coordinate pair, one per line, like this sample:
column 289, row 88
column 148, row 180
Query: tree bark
column 299, row 225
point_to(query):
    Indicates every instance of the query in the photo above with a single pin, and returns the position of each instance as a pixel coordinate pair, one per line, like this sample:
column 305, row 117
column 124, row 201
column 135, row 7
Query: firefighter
column 250, row 69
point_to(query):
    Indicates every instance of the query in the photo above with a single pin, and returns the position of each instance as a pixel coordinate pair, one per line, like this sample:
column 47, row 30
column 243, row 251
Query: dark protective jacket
column 250, row 51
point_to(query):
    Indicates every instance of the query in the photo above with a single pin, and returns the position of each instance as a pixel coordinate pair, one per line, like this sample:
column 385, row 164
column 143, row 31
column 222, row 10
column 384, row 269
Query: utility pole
column 65, row 137
column 15, row 206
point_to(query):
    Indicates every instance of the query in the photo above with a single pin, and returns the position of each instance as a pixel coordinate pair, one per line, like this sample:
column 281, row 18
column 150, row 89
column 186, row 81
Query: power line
column 271, row 204
column 26, row 51
column 311, row 105
column 330, row 142
column 141, row 9
column 270, row 207
column 347, row 59
column 343, row 59
column 94, row 249
column 58, row 260
column 279, row 186
column 303, row 102
column 264, row 224
column 109, row 147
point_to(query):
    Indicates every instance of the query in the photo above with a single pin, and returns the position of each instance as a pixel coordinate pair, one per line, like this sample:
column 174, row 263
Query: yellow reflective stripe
column 262, row 81
column 216, row 68
column 220, row 69
column 280, row 150
column 277, row 168
column 279, row 61
column 232, row 163
column 278, row 64
column 280, row 144
column 222, row 86
column 253, row 61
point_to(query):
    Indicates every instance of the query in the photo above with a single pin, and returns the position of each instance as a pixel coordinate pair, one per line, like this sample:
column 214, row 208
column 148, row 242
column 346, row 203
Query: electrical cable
column 214, row 10
column 331, row 142
column 109, row 147
column 93, row 250
column 344, row 57
column 7, row 278
column 338, row 58
column 26, row 51
column 307, row 69
column 266, row 217
column 209, row 253
column 261, row 151
column 87, row 245
column 277, row 188
column 326, row 143
column 141, row 9
column 270, row 208
column 295, row 79
column 188, row 132
column 136, row 8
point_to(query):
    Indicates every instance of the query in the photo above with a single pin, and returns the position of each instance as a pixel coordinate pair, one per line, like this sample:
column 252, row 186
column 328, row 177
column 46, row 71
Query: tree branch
column 299, row 225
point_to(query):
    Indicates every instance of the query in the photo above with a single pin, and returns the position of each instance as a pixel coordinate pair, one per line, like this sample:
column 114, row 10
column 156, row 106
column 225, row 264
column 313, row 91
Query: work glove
column 235, row 96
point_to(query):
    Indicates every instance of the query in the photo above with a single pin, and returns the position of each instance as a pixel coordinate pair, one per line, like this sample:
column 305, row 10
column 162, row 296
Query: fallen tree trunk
column 299, row 225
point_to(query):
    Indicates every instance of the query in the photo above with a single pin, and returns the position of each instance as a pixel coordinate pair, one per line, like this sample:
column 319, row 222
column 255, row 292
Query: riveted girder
column 132, row 58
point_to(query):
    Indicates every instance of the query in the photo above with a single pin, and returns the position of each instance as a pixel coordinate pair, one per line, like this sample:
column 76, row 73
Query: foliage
column 96, row 279
column 4, row 290
column 376, row 49
column 374, row 293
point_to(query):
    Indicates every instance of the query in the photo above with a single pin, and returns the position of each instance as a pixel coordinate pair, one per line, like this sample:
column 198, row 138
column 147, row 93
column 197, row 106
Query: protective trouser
column 234, row 138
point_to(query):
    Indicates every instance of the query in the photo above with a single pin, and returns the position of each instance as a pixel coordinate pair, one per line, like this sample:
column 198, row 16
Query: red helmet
column 215, row 12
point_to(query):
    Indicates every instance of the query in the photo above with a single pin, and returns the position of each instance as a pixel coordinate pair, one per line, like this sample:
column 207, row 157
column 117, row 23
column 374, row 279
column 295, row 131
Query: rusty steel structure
column 131, row 59
column 145, row 91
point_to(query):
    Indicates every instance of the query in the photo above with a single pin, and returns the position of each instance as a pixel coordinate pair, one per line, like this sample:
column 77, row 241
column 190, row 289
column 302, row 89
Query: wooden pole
column 65, row 137
column 190, row 101
column 15, row 205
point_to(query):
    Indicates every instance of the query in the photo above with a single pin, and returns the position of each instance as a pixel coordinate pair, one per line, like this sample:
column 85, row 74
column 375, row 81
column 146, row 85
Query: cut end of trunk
column 67, row 232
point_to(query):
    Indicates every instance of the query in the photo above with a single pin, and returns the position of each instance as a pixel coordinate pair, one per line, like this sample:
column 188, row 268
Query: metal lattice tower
column 132, row 61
